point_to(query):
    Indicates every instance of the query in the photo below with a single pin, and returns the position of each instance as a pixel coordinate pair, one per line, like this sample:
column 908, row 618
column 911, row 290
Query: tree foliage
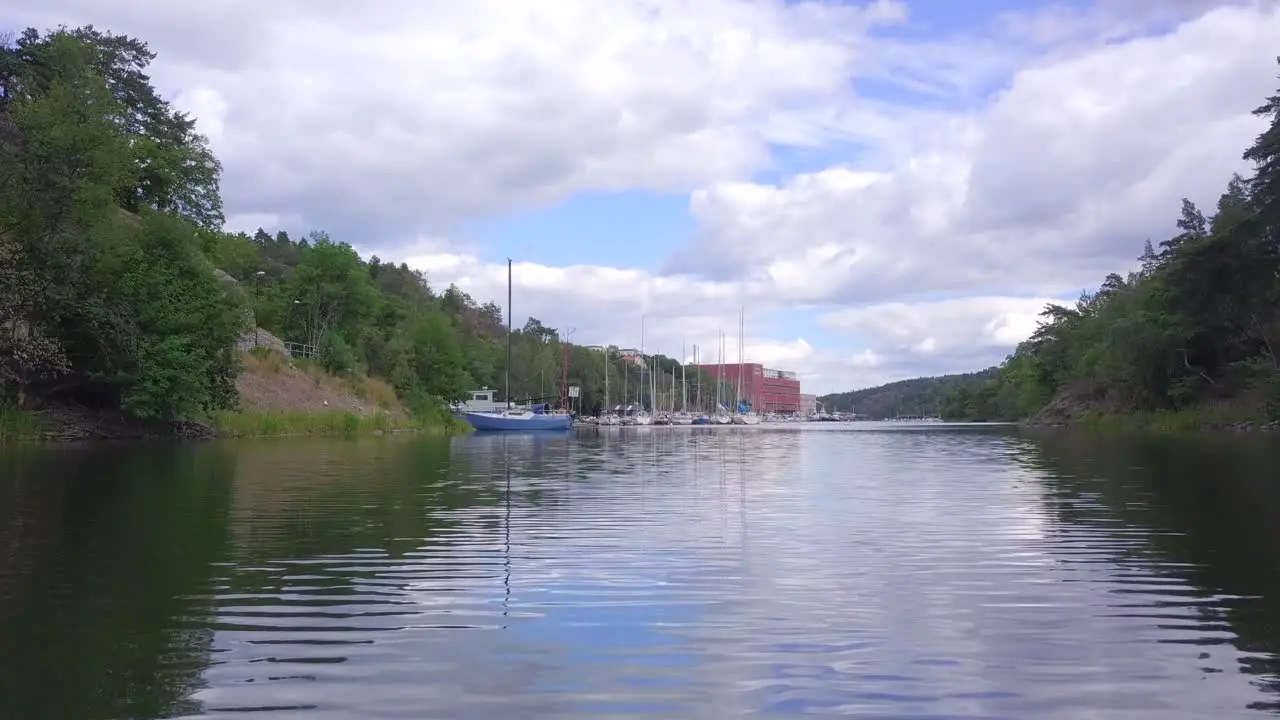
column 1197, row 322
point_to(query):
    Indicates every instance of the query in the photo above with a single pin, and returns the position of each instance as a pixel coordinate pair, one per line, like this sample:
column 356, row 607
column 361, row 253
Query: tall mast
column 697, row 390
column 742, row 348
column 684, row 380
column 738, row 400
column 506, row 396
column 653, row 378
column 672, row 400
column 720, row 374
column 644, row 363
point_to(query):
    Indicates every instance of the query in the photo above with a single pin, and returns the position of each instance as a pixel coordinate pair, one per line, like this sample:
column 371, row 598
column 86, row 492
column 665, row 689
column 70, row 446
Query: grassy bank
column 282, row 423
column 18, row 424
column 282, row 396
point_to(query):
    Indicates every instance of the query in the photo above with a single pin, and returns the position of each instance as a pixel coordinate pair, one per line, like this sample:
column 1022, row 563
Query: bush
column 336, row 355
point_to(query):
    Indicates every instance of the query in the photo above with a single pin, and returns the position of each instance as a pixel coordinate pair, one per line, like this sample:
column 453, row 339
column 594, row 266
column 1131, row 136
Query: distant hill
column 917, row 396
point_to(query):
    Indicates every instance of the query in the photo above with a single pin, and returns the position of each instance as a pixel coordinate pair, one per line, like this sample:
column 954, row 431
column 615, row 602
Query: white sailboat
column 608, row 417
column 660, row 414
column 641, row 415
column 700, row 417
column 721, row 414
column 750, row 417
column 683, row 416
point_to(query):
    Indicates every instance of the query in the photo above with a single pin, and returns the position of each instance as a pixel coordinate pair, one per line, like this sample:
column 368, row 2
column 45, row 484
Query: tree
column 61, row 158
column 174, row 169
column 332, row 289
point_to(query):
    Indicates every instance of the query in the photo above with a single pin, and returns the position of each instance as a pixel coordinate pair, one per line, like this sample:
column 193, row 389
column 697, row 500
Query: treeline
column 918, row 396
column 1195, row 326
column 386, row 320
column 116, row 276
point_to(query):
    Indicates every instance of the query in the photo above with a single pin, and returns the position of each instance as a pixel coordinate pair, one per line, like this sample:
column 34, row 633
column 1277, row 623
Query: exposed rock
column 1068, row 407
column 262, row 339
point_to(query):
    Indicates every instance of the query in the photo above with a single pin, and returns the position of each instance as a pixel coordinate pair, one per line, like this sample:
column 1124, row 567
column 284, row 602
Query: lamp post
column 288, row 322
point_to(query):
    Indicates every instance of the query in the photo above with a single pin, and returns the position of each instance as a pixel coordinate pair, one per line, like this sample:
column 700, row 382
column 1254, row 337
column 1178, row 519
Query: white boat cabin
column 481, row 401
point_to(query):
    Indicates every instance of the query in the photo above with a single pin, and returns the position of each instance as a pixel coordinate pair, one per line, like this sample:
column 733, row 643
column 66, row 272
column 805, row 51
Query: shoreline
column 63, row 425
column 1158, row 423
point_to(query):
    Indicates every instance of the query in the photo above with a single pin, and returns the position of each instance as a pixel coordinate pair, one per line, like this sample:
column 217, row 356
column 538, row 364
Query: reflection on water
column 873, row 571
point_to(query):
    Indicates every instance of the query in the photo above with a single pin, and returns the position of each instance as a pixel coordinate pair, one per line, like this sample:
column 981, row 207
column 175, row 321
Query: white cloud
column 386, row 123
column 1052, row 185
column 980, row 330
column 398, row 116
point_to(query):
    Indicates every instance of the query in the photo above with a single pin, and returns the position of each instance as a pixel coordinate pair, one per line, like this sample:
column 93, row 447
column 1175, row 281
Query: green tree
column 175, row 171
column 186, row 326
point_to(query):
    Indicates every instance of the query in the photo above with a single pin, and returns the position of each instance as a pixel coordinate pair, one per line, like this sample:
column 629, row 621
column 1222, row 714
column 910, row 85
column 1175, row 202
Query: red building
column 767, row 390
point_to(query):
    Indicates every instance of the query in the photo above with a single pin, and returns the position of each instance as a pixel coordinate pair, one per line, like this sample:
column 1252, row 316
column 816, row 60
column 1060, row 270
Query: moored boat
column 518, row 419
column 509, row 418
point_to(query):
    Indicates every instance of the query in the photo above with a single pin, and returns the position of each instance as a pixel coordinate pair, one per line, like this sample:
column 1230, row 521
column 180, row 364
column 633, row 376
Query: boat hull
column 529, row 421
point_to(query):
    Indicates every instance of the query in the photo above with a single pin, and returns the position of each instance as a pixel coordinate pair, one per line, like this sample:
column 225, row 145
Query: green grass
column 18, row 424
column 281, row 423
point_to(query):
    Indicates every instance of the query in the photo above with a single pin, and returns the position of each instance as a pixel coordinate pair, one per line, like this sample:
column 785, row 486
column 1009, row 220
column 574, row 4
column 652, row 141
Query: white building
column 808, row 404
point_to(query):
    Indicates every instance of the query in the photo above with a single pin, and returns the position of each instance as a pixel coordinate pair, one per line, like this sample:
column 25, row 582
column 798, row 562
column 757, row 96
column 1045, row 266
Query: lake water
column 832, row 570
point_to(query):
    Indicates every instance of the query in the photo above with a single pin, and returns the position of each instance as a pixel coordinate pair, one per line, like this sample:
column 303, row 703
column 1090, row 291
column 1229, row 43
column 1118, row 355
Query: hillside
column 917, row 396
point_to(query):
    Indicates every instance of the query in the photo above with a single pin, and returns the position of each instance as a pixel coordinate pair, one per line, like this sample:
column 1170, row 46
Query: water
column 848, row 570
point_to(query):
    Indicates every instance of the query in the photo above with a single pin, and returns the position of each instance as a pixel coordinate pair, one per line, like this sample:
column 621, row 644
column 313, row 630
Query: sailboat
column 641, row 415
column 682, row 416
column 513, row 418
column 744, row 415
column 721, row 414
column 609, row 417
column 660, row 416
column 699, row 417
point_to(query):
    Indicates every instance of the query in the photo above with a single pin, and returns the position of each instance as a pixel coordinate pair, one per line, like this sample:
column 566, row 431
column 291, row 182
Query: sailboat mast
column 684, row 383
column 506, row 393
column 720, row 374
column 697, row 388
column 671, row 401
column 654, row 369
column 740, row 349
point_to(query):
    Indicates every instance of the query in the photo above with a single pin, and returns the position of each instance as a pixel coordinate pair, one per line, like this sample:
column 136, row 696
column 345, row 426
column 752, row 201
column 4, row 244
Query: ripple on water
column 677, row 572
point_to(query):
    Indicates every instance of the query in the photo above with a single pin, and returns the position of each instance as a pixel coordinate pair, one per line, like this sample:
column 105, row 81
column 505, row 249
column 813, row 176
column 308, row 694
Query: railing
column 300, row 349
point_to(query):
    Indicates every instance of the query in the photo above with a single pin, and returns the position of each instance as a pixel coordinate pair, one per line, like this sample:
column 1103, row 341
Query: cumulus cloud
column 405, row 115
column 978, row 331
column 1054, row 183
column 1029, row 157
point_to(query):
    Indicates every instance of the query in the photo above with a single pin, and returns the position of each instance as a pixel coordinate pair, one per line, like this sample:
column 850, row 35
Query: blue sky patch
column 630, row 229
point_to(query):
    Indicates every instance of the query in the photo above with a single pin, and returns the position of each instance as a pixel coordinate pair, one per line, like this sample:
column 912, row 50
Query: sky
column 888, row 189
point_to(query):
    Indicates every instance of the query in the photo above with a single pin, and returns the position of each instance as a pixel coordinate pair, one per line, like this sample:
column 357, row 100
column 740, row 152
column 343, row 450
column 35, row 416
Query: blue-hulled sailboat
column 518, row 419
